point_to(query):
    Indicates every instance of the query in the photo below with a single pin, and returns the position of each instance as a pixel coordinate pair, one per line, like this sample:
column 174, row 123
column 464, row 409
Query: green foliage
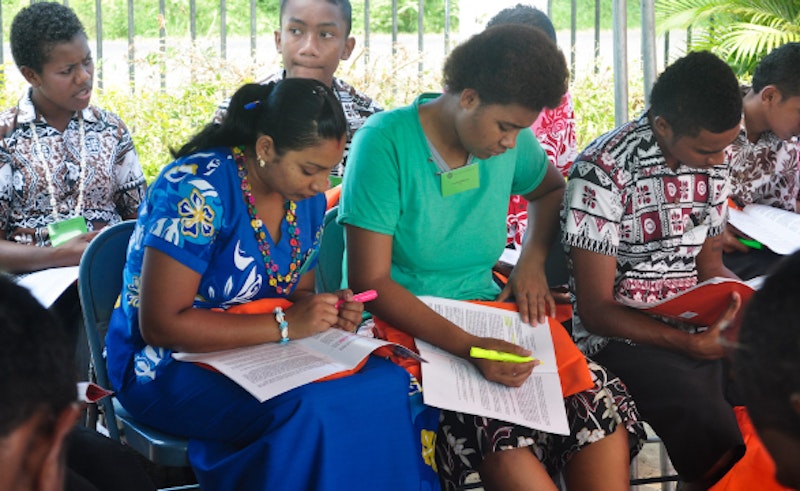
column 160, row 122
column 147, row 18
column 739, row 31
column 561, row 15
column 380, row 12
column 593, row 98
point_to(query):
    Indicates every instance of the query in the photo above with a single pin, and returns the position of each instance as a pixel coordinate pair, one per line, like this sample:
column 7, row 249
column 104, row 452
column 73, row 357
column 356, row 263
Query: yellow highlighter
column 489, row 354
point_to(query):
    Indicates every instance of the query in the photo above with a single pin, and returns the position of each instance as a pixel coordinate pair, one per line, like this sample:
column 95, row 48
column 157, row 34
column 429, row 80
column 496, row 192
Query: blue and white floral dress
column 349, row 433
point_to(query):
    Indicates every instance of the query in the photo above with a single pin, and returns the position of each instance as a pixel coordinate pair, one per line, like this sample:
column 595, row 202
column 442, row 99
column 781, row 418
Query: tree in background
column 739, row 31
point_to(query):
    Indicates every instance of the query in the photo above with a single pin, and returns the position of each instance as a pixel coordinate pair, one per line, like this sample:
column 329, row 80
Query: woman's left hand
column 349, row 311
column 532, row 295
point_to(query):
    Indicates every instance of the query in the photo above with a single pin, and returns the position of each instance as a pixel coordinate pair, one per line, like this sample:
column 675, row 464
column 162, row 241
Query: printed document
column 452, row 383
column 775, row 228
column 270, row 369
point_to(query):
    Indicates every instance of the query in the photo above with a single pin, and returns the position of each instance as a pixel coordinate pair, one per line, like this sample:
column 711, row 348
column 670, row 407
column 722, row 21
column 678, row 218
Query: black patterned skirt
column 464, row 440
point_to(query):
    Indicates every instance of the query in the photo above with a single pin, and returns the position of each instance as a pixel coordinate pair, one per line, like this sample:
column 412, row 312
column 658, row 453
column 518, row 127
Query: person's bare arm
column 527, row 281
column 168, row 318
column 601, row 314
column 369, row 259
column 23, row 258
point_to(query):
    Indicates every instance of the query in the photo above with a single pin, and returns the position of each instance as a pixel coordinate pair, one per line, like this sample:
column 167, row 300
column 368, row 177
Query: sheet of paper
column 453, row 383
column 270, row 369
column 510, row 256
column 48, row 284
column 775, row 228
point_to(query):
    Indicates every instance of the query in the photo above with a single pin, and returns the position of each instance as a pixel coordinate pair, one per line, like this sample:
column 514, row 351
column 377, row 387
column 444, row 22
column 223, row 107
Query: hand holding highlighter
column 488, row 354
column 362, row 297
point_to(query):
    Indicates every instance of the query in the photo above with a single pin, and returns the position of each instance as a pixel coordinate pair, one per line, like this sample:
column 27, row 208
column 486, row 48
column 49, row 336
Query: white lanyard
column 49, row 174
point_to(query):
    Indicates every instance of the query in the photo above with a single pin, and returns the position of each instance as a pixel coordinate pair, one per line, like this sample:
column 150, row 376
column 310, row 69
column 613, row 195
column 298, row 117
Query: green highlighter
column 753, row 244
column 488, row 354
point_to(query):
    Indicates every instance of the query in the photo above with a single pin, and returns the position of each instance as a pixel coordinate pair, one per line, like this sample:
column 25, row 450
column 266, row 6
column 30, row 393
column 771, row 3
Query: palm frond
column 739, row 31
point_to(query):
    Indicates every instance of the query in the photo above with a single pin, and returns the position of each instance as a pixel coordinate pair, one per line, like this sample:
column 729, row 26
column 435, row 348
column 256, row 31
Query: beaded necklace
column 281, row 282
column 48, row 174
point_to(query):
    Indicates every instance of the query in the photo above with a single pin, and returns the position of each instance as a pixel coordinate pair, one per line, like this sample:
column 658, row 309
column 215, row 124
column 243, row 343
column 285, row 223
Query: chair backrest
column 328, row 274
column 99, row 286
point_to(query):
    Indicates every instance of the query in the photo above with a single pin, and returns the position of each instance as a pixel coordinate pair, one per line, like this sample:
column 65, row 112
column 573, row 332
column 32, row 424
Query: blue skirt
column 352, row 433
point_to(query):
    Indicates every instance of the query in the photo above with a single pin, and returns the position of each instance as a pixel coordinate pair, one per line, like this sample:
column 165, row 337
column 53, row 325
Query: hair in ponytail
column 295, row 112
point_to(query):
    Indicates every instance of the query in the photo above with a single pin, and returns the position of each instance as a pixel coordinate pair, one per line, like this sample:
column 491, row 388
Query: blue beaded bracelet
column 283, row 326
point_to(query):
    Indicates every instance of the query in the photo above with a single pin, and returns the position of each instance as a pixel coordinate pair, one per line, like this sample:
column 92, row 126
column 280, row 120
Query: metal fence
column 430, row 48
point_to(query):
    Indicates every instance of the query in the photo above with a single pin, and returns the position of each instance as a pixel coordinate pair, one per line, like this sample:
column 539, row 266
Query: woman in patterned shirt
column 61, row 158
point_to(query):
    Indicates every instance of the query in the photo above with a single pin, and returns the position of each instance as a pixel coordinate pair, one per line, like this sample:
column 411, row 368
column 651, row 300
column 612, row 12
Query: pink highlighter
column 364, row 296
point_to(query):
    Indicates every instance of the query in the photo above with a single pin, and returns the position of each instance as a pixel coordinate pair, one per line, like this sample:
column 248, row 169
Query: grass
column 160, row 120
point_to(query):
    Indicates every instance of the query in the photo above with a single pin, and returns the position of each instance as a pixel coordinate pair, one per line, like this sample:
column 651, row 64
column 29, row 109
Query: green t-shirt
column 442, row 246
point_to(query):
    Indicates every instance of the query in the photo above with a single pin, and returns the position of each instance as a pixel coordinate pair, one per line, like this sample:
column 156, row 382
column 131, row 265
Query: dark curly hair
column 509, row 64
column 767, row 359
column 36, row 29
column 696, row 92
column 344, row 7
column 296, row 112
column 781, row 68
column 526, row 15
column 35, row 359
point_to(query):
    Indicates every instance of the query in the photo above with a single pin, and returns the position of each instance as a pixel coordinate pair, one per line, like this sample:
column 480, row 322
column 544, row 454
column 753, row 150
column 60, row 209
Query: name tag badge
column 64, row 230
column 460, row 180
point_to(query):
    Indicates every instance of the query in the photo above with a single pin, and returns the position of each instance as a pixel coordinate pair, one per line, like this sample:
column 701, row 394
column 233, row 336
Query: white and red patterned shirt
column 764, row 172
column 555, row 130
column 114, row 187
column 623, row 200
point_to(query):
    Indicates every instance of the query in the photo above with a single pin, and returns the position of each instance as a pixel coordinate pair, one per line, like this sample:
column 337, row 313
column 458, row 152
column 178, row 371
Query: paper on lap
column 455, row 384
column 775, row 228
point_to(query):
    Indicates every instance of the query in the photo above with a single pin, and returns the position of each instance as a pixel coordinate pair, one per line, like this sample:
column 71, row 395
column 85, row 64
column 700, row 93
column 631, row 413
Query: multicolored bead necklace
column 281, row 282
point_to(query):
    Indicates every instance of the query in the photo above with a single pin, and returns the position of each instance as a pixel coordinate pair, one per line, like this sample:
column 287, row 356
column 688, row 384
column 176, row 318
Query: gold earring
column 261, row 162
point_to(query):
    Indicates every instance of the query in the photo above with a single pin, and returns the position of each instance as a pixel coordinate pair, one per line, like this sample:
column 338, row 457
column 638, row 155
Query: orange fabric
column 267, row 305
column 260, row 306
column 385, row 331
column 332, row 196
column 733, row 204
column 572, row 367
column 500, row 277
column 563, row 312
column 756, row 470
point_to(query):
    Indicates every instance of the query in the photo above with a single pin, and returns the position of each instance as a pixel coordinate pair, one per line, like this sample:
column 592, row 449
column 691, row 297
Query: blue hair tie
column 252, row 105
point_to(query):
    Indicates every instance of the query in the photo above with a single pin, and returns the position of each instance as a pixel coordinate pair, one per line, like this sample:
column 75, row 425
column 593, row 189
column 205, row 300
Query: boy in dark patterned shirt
column 314, row 36
column 642, row 220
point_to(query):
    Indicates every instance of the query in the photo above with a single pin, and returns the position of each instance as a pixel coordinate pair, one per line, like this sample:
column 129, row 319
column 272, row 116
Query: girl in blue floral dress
column 236, row 218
